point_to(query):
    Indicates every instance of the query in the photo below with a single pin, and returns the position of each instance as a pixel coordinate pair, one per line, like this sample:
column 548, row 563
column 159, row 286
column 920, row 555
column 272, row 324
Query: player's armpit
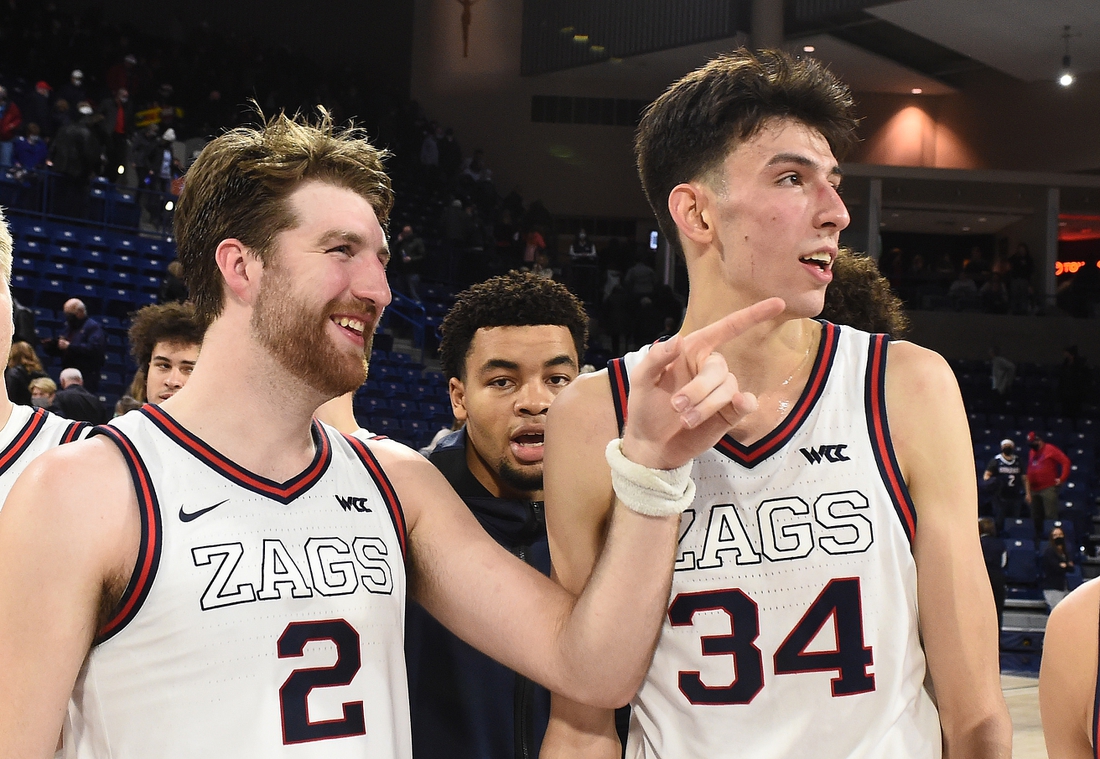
column 958, row 621
column 1067, row 680
column 59, row 548
column 576, row 731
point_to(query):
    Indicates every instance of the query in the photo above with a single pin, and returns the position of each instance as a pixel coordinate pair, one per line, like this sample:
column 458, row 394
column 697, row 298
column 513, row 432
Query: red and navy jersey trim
column 386, row 488
column 22, row 439
column 620, row 389
column 74, row 431
column 148, row 558
column 749, row 456
column 881, row 442
column 283, row 492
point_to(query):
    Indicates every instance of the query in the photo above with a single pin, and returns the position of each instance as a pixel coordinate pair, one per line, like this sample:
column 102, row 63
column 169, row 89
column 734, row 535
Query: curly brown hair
column 173, row 323
column 239, row 185
column 516, row 299
column 860, row 297
column 686, row 133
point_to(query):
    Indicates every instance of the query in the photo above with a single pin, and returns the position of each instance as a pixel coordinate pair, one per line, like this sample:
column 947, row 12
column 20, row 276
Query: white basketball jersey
column 792, row 623
column 263, row 619
column 29, row 433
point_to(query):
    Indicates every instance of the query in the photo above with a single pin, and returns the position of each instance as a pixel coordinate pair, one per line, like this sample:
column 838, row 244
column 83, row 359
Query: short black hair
column 516, row 299
column 688, row 131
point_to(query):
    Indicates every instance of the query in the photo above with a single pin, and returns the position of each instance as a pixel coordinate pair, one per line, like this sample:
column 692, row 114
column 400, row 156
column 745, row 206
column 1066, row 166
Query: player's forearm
column 987, row 738
column 608, row 640
column 586, row 734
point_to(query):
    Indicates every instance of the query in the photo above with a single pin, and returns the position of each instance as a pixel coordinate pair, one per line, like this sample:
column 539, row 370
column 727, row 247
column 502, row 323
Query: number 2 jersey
column 792, row 623
column 263, row 619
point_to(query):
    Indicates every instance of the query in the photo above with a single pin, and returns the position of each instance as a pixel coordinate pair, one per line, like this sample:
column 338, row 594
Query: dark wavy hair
column 172, row 323
column 860, row 297
column 516, row 299
column 686, row 133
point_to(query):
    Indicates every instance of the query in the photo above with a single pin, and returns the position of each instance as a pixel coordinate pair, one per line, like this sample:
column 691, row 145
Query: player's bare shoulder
column 918, row 372
column 417, row 482
column 583, row 409
column 1068, row 678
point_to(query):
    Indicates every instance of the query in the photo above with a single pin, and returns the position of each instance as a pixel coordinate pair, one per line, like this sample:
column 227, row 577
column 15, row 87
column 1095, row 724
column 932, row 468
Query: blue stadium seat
column 31, row 249
column 66, row 236
column 125, row 212
column 65, row 253
column 24, row 265
column 121, row 280
column 1067, row 528
column 406, row 409
column 125, row 246
column 155, row 267
column 96, row 258
column 1021, row 567
column 58, row 270
column 92, row 240
column 1019, row 529
column 385, row 426
column 24, row 287
column 41, row 233
column 52, row 293
column 88, row 274
column 90, row 294
column 124, row 262
column 148, row 284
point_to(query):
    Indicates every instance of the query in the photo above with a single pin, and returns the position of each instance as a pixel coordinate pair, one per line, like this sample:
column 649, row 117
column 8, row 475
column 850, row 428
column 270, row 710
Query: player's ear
column 457, row 391
column 240, row 268
column 690, row 208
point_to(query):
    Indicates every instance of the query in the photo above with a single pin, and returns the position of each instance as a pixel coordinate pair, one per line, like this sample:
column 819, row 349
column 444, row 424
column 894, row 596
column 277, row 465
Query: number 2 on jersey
column 295, row 691
column 840, row 601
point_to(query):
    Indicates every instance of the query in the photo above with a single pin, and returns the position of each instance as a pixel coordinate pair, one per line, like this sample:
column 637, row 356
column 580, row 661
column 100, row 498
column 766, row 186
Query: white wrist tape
column 653, row 492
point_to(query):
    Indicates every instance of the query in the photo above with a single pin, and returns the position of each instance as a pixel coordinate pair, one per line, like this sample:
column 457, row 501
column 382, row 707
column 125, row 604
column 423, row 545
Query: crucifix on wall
column 466, row 16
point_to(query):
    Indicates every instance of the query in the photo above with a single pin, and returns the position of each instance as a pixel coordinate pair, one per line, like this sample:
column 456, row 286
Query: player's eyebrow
column 499, row 363
column 562, row 360
column 340, row 235
column 802, row 160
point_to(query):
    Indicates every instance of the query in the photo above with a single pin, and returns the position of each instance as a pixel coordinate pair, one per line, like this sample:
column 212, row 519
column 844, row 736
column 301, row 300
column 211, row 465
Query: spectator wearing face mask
column 1055, row 564
column 81, row 344
column 43, row 390
column 1047, row 468
column 1004, row 479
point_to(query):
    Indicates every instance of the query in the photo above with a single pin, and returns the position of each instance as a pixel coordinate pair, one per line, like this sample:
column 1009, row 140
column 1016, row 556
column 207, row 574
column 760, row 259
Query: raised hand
column 683, row 398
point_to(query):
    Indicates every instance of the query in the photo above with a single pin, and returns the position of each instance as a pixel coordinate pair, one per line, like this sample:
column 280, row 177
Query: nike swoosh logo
column 187, row 517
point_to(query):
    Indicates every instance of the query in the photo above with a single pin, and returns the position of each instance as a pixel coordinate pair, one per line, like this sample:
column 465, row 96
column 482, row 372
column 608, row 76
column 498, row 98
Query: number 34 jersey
column 792, row 625
column 263, row 619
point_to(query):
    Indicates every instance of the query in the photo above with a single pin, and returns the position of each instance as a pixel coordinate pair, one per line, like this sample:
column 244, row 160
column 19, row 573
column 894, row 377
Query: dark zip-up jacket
column 464, row 704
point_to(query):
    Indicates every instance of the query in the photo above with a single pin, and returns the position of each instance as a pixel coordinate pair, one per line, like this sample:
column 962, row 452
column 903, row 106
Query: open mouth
column 527, row 446
column 350, row 324
column 821, row 259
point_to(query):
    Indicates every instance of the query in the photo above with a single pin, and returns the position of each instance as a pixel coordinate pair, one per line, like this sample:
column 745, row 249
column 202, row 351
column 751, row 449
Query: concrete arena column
column 1047, row 283
column 874, row 220
column 767, row 23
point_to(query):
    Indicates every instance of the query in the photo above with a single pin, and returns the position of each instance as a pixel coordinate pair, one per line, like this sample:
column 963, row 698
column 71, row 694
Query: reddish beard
column 296, row 336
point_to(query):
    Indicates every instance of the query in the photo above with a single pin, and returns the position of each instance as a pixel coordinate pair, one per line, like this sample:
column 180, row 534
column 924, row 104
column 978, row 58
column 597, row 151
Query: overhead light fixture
column 916, row 90
column 1066, row 78
column 807, row 48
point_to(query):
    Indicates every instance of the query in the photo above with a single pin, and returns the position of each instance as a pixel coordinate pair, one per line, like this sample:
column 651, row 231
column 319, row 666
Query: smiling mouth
column 350, row 323
column 530, row 439
column 821, row 260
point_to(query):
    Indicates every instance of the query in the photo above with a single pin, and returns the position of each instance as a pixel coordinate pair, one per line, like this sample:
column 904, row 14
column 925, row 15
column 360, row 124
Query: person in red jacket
column 1047, row 469
column 11, row 118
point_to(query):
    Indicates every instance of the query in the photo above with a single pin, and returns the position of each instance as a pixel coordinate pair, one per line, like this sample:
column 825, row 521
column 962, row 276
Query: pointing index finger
column 711, row 336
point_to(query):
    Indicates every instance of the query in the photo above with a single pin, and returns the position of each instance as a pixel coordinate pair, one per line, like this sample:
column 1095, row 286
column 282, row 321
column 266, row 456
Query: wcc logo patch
column 353, row 503
column 828, row 453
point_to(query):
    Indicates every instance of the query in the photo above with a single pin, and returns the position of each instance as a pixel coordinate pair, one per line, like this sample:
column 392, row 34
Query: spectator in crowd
column 993, row 550
column 533, row 242
column 1003, row 371
column 1004, row 477
column 994, row 295
column 542, row 268
column 39, row 107
column 30, row 151
column 74, row 402
column 640, row 283
column 1021, row 268
column 583, row 267
column 117, row 125
column 73, row 92
column 429, row 152
column 173, row 289
column 164, row 342
column 75, row 156
column 1074, row 379
column 126, row 404
column 24, row 322
column 615, row 311
column 43, row 390
column 410, row 252
column 121, row 75
column 81, row 344
column 1055, row 564
column 450, row 155
column 11, row 118
column 61, row 115
column 1047, row 468
column 963, row 291
column 23, row 366
column 510, row 345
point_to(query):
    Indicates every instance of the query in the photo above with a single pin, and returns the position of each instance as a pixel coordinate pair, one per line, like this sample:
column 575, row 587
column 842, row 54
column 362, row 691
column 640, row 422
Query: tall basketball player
column 827, row 517
column 1069, row 684
column 222, row 576
column 25, row 432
